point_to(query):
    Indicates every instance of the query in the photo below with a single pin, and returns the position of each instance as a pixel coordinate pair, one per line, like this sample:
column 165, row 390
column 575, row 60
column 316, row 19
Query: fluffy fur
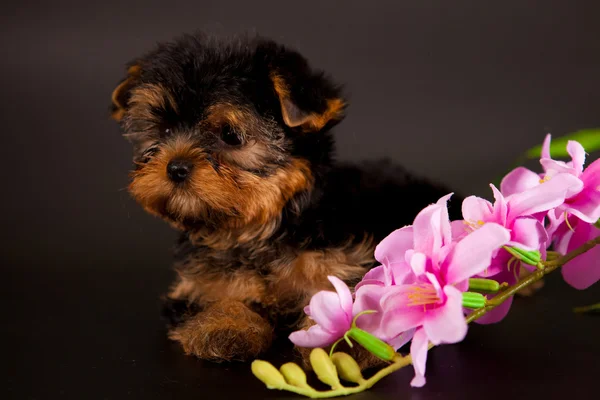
column 266, row 213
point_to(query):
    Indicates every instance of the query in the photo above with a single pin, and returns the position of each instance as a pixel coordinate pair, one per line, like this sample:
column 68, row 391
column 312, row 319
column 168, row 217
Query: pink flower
column 516, row 213
column 368, row 298
column 582, row 199
column 584, row 270
column 393, row 271
column 333, row 314
column 440, row 269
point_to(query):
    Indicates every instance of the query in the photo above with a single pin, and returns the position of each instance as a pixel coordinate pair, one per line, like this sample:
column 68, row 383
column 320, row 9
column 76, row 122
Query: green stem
column 549, row 266
column 400, row 361
column 584, row 309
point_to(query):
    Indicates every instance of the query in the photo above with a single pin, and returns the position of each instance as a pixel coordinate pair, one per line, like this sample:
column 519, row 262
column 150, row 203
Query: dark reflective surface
column 454, row 91
column 95, row 334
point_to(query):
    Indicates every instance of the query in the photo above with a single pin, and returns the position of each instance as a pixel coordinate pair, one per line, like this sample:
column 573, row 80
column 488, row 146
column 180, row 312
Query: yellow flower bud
column 347, row 367
column 294, row 375
column 268, row 374
column 324, row 368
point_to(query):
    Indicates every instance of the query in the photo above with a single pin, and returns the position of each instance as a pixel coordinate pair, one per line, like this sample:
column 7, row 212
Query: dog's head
column 226, row 134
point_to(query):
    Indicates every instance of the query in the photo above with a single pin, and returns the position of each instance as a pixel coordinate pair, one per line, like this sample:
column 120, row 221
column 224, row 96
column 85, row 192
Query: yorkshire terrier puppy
column 232, row 145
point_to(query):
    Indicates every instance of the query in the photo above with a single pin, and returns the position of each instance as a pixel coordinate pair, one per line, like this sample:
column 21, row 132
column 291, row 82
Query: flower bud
column 347, row 367
column 484, row 285
column 324, row 368
column 294, row 375
column 473, row 300
column 528, row 257
column 268, row 374
column 376, row 346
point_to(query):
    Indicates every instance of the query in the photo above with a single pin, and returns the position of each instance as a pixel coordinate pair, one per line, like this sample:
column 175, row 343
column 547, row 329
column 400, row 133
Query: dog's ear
column 309, row 100
column 120, row 96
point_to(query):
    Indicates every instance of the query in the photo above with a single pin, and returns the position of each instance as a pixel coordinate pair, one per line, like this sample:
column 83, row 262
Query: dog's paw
column 225, row 332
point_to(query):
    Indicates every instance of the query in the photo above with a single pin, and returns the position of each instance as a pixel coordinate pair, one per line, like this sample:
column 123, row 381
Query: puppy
column 232, row 146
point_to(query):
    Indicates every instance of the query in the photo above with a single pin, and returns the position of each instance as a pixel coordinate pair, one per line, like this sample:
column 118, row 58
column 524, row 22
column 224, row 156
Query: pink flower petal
column 500, row 206
column 498, row 264
column 554, row 167
column 432, row 278
column 369, row 298
column 418, row 351
column 315, row 336
column 519, row 180
column 543, row 197
column 401, row 273
column 497, row 314
column 326, row 310
column 427, row 230
column 476, row 209
column 577, row 153
column 554, row 221
column 375, row 276
column 343, row 292
column 584, row 270
column 473, row 254
column 546, row 146
column 446, row 229
column 418, row 262
column 459, row 229
column 528, row 234
column 376, row 273
column 398, row 315
column 591, row 175
column 401, row 339
column 446, row 324
column 393, row 247
column 585, row 205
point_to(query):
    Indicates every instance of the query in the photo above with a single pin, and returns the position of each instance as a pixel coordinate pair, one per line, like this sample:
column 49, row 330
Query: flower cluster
column 431, row 273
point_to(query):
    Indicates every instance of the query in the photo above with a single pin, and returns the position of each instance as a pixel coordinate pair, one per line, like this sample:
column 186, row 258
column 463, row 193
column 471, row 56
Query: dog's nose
column 179, row 170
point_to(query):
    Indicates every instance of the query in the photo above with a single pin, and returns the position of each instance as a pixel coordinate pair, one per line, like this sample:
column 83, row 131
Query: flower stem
column 400, row 361
column 549, row 266
column 585, row 309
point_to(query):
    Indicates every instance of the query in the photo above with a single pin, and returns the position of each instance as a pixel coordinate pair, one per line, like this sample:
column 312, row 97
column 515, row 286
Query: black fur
column 345, row 202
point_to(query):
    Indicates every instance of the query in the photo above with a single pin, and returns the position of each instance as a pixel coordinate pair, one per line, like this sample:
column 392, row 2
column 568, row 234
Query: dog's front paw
column 227, row 331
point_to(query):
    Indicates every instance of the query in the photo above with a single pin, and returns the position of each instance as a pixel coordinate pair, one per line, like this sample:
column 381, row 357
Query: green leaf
column 589, row 139
column 588, row 309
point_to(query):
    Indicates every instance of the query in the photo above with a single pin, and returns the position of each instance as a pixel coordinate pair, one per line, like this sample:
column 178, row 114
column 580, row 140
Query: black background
column 454, row 90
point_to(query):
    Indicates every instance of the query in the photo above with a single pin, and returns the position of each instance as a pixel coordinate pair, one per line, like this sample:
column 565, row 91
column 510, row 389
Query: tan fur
column 251, row 156
column 298, row 279
column 117, row 94
column 226, row 331
column 288, row 288
column 251, row 203
column 309, row 122
column 243, row 286
column 308, row 273
column 147, row 96
column 248, row 125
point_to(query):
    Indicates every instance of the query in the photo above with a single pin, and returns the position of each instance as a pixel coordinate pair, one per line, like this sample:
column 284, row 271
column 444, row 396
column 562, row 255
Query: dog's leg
column 224, row 331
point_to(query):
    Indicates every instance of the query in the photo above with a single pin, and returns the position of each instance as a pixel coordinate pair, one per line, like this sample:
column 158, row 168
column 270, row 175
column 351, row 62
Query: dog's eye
column 229, row 136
